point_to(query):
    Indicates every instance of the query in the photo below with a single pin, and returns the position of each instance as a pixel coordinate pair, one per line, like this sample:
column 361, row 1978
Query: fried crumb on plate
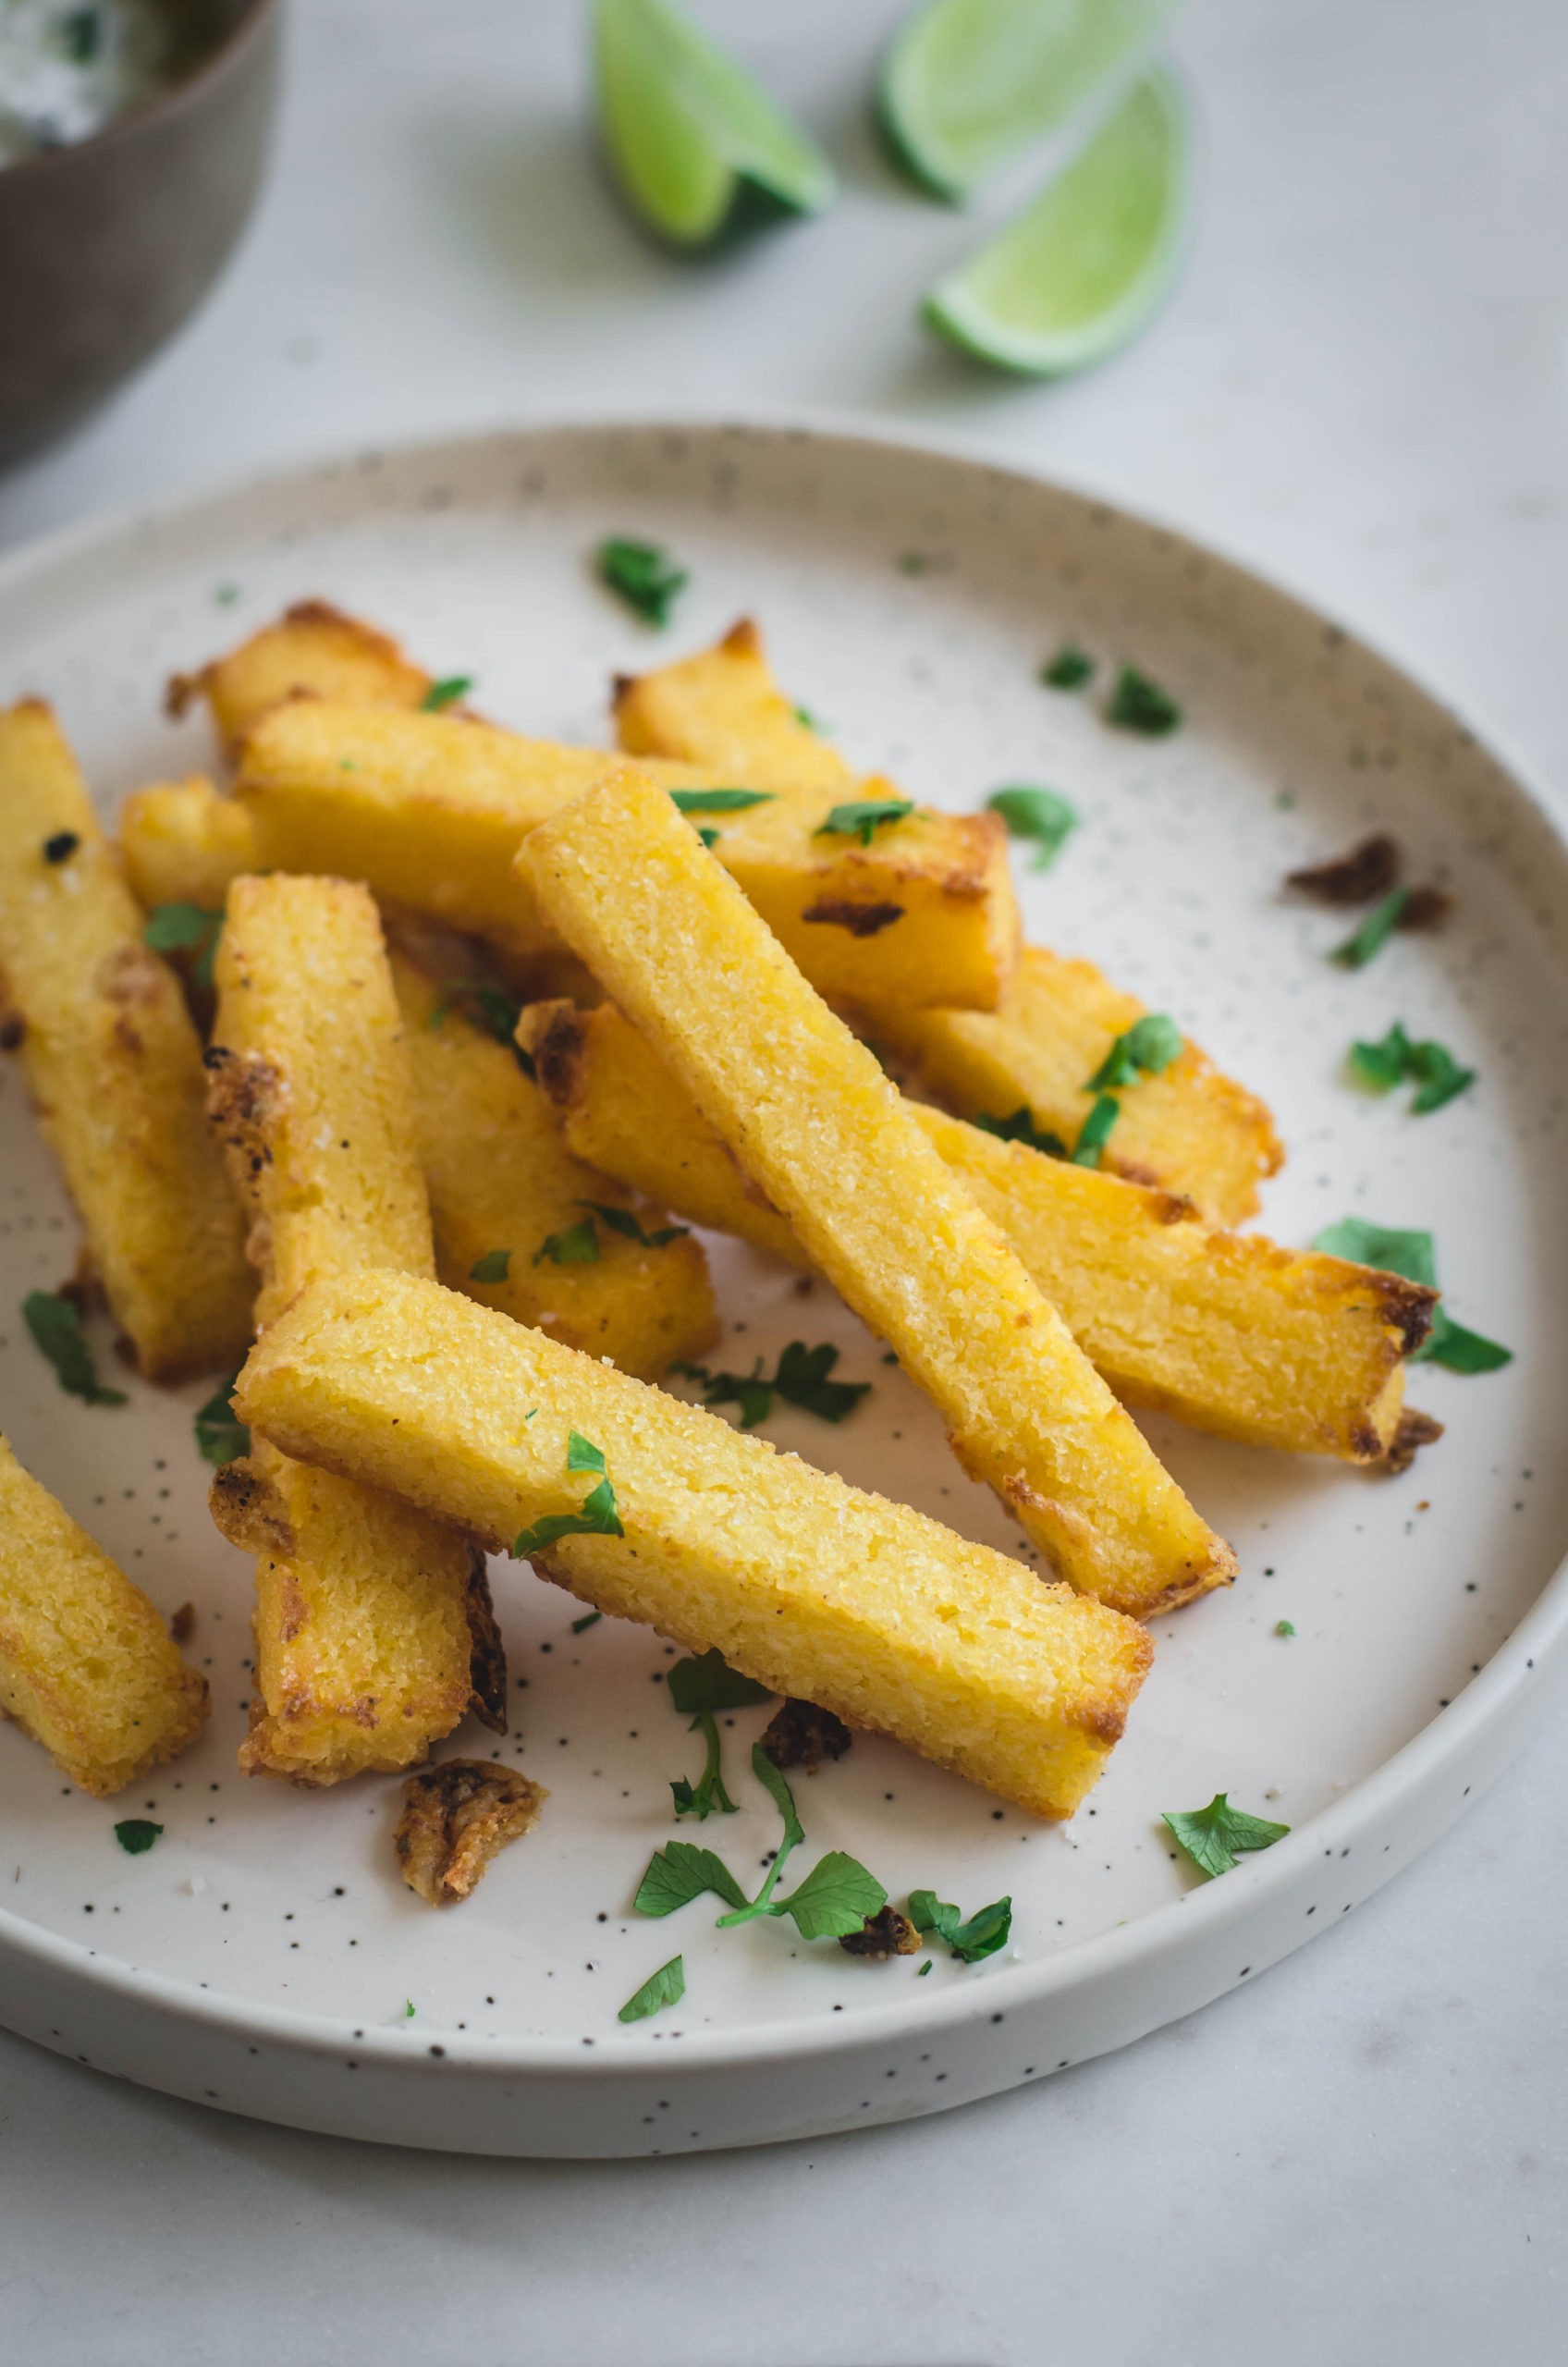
column 881, row 1936
column 799, row 1734
column 455, row 1818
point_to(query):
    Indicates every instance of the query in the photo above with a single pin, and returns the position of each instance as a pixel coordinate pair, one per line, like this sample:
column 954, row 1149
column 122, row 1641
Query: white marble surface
column 1359, row 388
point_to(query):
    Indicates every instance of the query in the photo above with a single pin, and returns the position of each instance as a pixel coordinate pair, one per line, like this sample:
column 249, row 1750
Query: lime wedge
column 968, row 84
column 687, row 132
column 1081, row 271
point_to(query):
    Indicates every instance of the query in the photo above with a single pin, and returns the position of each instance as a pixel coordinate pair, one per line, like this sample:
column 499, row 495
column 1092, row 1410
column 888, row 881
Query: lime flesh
column 969, row 84
column 1081, row 269
column 684, row 128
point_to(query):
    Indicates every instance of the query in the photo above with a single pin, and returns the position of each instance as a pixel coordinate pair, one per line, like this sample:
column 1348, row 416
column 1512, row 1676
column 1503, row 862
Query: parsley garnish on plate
column 491, row 1267
column 55, row 1324
column 576, row 1244
column 185, row 928
column 800, row 1379
column 492, row 1010
column 1283, row 1627
column 987, row 1930
column 1095, row 1131
column 1369, row 940
column 621, row 1220
column 720, row 801
column 1216, row 1836
column 589, row 1619
column 862, row 816
column 1069, row 670
column 835, row 1897
column 1412, row 1255
column 1042, row 814
column 1147, row 1049
column 220, row 1434
column 1020, row 1128
column 1139, row 705
column 698, row 1687
column 135, row 1835
column 596, row 1517
column 645, row 577
column 1431, row 1067
column 811, row 722
column 665, row 1987
column 447, row 692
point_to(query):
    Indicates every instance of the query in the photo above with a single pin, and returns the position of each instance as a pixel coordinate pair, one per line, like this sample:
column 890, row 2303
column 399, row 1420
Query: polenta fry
column 182, row 844
column 86, row 1664
column 803, row 1583
column 313, row 650
column 373, row 1631
column 821, row 1131
column 723, row 707
column 114, row 1067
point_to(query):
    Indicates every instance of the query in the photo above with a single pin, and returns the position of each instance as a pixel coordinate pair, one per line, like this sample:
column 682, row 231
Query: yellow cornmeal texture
column 362, row 1621
column 723, row 707
column 805, row 1584
column 182, row 844
column 1190, row 1129
column 313, row 649
column 86, row 1664
column 1279, row 1347
column 819, row 1128
column 499, row 1177
column 114, row 1067
column 429, row 811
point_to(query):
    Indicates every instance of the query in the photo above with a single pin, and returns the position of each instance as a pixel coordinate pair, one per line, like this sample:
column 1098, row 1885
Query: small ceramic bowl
column 107, row 246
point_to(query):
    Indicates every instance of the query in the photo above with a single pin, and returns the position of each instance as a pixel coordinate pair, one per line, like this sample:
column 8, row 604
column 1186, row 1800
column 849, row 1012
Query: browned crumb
column 1368, row 872
column 1415, row 1430
column 182, row 1625
column 1425, row 908
column 861, row 920
column 83, row 1286
column 487, row 1658
column 13, row 1031
column 455, row 1818
column 881, row 1936
column 799, row 1734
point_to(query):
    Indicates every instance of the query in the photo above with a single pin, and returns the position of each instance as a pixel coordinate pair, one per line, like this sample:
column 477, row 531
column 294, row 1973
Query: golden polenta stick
column 86, row 1664
column 114, row 1067
column 373, row 1624
column 429, row 809
column 821, row 1131
column 182, row 844
column 723, row 707
column 1189, row 1130
column 557, row 1243
column 313, row 649
column 1279, row 1347
column 803, row 1583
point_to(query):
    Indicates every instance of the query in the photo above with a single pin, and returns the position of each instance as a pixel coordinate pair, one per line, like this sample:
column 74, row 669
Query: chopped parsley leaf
column 645, row 577
column 1216, row 1836
column 1374, row 932
column 81, row 35
column 720, row 801
column 1147, row 1049
column 185, row 928
column 1283, row 1627
column 54, row 1322
column 1139, row 705
column 665, row 1987
column 1020, row 1128
column 835, row 1898
column 621, row 1220
column 597, row 1516
column 135, row 1835
column 408, row 2010
column 811, row 722
column 492, row 1010
column 800, row 1380
column 986, row 1930
column 1413, row 1255
column 491, row 1267
column 1069, row 670
column 1095, row 1131
column 710, row 838
column 1042, row 814
column 862, row 816
column 1430, row 1066
column 697, row 1687
column 681, row 1872
column 576, row 1244
column 445, row 692
column 220, row 1435
column 589, row 1619
column 924, row 1969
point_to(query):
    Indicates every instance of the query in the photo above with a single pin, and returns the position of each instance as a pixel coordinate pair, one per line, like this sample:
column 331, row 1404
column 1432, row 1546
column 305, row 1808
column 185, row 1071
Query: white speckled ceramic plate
column 264, row 1955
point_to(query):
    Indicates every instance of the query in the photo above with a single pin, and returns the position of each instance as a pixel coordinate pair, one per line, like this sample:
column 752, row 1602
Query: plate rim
column 1529, row 1653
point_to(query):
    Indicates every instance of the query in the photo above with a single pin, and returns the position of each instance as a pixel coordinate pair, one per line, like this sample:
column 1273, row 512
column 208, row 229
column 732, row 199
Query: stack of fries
column 476, row 989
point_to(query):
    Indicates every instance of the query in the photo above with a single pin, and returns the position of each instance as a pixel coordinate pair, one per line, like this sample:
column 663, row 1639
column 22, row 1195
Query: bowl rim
column 189, row 91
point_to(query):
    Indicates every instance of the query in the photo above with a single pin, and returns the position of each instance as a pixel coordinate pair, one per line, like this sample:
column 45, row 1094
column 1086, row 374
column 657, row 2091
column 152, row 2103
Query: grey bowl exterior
column 106, row 247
